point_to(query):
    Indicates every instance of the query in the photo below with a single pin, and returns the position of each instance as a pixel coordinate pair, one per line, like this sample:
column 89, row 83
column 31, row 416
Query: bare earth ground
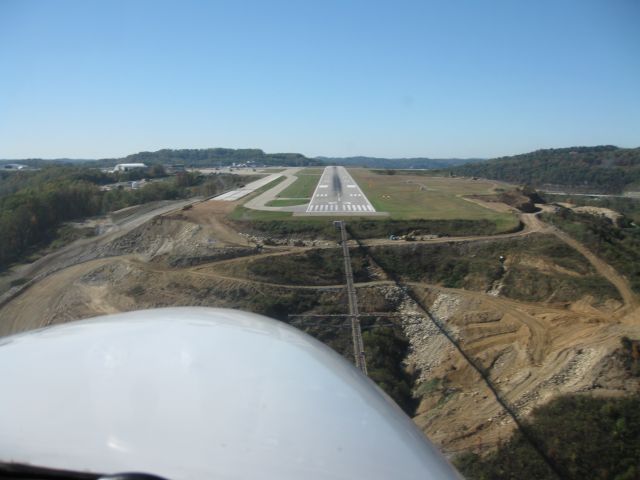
column 163, row 255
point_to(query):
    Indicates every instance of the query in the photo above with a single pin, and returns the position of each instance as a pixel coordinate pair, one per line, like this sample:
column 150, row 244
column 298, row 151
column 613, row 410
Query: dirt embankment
column 505, row 201
column 595, row 211
column 176, row 241
column 604, row 269
column 531, row 352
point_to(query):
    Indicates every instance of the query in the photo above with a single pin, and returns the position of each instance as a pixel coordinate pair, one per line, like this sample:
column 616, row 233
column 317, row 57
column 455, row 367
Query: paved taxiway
column 234, row 195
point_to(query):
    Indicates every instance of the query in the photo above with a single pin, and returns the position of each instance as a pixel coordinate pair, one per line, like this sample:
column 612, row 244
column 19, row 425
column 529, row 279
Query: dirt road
column 532, row 351
column 80, row 251
column 603, row 268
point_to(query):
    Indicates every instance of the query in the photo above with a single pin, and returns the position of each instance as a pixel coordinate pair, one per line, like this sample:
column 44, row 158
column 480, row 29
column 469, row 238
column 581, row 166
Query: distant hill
column 205, row 157
column 601, row 169
column 227, row 156
column 39, row 163
column 208, row 157
column 400, row 163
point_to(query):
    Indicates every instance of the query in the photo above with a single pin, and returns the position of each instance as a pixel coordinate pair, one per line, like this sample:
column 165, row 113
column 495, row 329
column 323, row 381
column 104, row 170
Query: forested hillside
column 213, row 157
column 40, row 163
column 583, row 437
column 220, row 156
column 210, row 157
column 34, row 204
column 399, row 163
column 603, row 169
column 202, row 157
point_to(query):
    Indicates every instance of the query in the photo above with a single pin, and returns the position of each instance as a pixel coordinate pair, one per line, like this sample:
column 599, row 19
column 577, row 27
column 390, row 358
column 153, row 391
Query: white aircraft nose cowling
column 200, row 393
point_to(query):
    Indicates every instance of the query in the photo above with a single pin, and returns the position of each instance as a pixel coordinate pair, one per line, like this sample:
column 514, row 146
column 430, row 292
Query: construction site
column 495, row 325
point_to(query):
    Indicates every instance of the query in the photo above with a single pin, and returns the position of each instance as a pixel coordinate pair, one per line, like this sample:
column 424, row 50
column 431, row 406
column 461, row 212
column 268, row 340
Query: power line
column 356, row 332
column 537, row 445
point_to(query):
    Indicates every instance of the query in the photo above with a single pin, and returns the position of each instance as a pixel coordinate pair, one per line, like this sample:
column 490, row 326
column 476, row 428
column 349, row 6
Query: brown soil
column 213, row 213
column 604, row 269
column 532, row 352
column 504, row 201
column 491, row 204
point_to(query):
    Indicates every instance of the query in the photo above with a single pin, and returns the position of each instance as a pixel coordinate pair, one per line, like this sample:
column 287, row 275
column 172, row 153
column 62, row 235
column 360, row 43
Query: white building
column 125, row 167
column 14, row 166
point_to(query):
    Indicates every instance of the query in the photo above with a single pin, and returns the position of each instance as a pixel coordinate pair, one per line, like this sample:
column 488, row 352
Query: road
column 338, row 192
column 85, row 249
column 259, row 202
column 603, row 268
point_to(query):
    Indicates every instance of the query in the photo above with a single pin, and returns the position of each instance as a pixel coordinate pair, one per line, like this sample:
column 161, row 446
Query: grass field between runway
column 407, row 197
column 434, row 204
column 244, row 214
column 303, row 187
column 287, row 202
column 315, row 227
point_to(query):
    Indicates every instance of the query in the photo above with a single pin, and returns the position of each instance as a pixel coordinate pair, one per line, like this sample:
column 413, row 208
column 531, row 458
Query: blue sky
column 448, row 78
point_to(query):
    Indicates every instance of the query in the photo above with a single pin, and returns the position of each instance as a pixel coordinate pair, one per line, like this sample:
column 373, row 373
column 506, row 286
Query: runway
column 338, row 193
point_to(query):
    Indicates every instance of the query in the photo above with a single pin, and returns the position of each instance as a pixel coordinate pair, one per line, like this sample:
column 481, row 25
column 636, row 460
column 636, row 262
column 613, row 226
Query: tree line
column 213, row 157
column 603, row 169
column 618, row 244
column 33, row 205
column 586, row 437
column 190, row 157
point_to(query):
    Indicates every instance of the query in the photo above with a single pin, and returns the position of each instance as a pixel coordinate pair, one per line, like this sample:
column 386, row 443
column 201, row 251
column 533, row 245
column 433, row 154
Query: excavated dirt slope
column 530, row 352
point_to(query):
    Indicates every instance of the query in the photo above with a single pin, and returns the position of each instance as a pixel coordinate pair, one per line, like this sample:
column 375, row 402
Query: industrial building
column 125, row 167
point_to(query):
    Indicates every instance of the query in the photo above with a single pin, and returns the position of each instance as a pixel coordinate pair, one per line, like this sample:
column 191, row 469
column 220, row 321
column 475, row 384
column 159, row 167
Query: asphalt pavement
column 338, row 192
column 234, row 195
